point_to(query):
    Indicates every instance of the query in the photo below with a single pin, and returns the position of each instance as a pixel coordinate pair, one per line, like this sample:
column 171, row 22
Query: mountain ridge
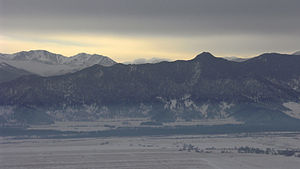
column 44, row 63
column 205, row 87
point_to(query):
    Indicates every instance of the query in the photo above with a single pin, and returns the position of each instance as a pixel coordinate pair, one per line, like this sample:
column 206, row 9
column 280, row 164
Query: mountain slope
column 45, row 63
column 8, row 72
column 206, row 87
column 86, row 60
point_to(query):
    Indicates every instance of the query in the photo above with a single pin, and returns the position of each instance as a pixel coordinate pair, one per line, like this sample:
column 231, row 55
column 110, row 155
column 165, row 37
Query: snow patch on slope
column 203, row 110
column 84, row 59
column 294, row 109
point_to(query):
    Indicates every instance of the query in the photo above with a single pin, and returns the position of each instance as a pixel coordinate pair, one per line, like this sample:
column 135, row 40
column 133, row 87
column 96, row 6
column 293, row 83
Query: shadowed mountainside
column 205, row 87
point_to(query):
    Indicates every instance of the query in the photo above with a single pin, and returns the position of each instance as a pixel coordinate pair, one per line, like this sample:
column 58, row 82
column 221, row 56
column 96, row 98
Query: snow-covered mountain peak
column 42, row 56
column 88, row 60
column 45, row 63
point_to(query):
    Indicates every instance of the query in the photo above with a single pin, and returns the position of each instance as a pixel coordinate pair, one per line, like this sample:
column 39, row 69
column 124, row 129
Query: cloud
column 173, row 17
column 143, row 60
column 175, row 29
column 48, row 40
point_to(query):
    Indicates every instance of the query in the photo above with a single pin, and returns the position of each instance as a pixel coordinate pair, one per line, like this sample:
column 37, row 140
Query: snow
column 45, row 63
column 224, row 107
column 88, row 60
column 37, row 55
column 203, row 110
column 6, row 111
column 147, row 152
column 294, row 109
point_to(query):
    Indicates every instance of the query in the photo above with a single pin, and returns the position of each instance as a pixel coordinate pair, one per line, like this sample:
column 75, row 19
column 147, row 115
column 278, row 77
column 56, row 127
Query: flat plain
column 213, row 152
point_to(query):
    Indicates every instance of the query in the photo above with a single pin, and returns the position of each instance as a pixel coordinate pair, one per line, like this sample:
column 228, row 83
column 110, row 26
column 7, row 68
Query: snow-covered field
column 148, row 152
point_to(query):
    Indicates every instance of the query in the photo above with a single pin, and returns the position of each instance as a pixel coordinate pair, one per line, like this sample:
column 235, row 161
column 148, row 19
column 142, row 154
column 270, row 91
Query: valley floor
column 213, row 152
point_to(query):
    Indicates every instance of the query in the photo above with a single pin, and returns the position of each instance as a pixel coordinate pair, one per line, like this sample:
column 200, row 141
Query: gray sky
column 250, row 26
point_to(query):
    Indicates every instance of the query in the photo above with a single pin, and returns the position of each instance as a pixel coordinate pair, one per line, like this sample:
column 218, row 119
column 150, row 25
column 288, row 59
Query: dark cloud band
column 156, row 16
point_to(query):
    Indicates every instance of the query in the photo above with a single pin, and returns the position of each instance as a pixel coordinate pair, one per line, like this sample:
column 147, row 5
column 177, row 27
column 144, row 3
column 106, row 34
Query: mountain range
column 264, row 90
column 44, row 63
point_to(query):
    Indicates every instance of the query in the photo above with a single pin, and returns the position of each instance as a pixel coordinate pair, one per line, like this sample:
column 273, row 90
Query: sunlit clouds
column 127, row 48
column 126, row 30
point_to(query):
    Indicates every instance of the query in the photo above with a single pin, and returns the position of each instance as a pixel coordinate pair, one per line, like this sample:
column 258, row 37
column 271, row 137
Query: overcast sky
column 131, row 29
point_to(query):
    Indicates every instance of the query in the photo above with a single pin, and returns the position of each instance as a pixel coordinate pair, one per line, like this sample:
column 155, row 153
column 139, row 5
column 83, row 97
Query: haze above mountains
column 296, row 53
